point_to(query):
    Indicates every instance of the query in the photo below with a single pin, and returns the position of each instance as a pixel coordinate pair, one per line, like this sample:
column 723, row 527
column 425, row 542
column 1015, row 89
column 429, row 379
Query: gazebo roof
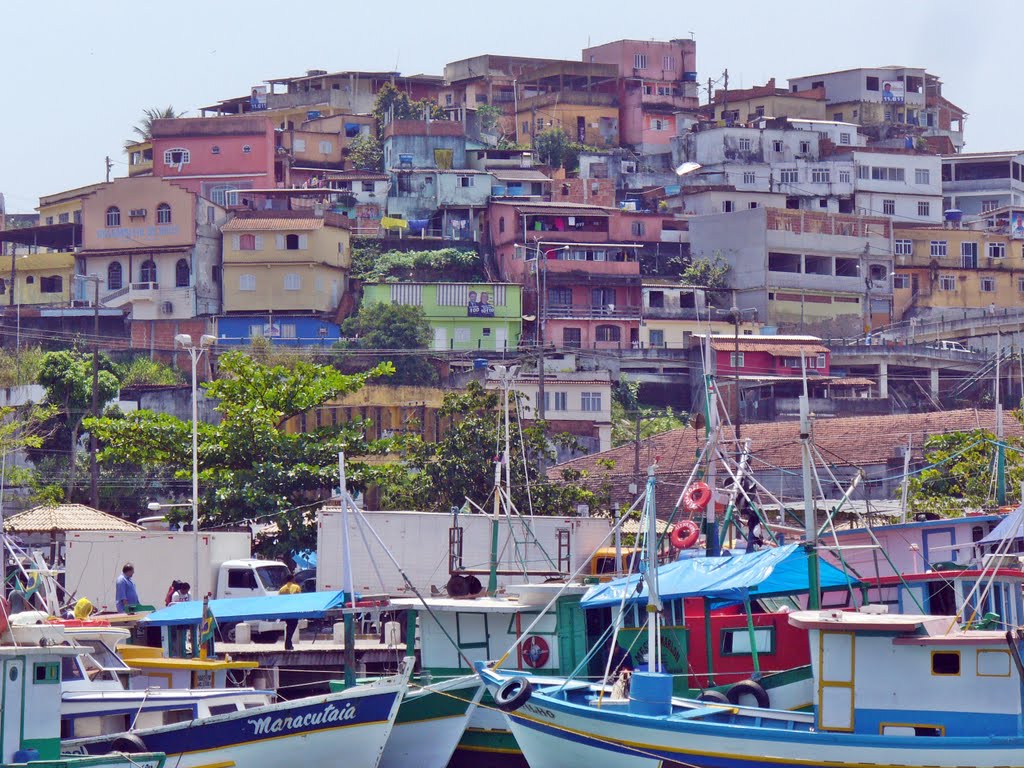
column 66, row 517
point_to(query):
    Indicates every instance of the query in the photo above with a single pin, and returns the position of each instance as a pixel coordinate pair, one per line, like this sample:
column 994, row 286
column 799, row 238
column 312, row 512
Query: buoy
column 685, row 534
column 696, row 497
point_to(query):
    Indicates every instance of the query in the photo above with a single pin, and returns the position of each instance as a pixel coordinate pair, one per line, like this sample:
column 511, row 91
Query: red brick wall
column 583, row 191
column 157, row 336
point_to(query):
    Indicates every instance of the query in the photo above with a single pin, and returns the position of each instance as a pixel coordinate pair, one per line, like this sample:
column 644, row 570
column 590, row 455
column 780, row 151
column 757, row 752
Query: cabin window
column 241, row 578
column 223, row 709
column 69, row 669
column 945, row 662
column 993, row 664
column 46, row 672
column 736, row 642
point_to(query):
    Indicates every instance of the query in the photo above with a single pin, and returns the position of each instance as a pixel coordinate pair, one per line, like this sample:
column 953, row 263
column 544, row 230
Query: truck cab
column 250, row 578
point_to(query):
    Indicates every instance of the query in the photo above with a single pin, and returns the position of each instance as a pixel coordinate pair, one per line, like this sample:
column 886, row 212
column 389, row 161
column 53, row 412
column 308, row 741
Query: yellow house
column 391, row 411
column 590, row 118
column 769, row 101
column 37, row 279
column 285, row 261
column 937, row 268
column 65, row 207
column 140, row 158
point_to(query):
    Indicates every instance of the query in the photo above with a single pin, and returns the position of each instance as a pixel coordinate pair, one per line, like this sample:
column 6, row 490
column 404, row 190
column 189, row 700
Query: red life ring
column 685, row 534
column 5, row 614
column 535, row 652
column 696, row 497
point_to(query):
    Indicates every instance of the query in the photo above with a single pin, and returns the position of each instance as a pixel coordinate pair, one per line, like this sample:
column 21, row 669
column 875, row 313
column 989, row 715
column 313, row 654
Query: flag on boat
column 209, row 625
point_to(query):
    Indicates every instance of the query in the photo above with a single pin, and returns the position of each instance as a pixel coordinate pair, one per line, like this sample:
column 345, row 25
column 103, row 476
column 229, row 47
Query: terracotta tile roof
column 772, row 348
column 264, row 222
column 66, row 517
column 850, row 381
column 558, row 209
column 852, row 441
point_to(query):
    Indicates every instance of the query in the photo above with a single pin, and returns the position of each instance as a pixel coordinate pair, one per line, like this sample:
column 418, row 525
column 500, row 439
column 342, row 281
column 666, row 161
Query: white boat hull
column 429, row 740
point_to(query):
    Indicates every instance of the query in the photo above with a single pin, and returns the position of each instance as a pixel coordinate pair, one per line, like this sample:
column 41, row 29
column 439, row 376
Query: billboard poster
column 1017, row 225
column 479, row 305
column 894, row 90
column 258, row 98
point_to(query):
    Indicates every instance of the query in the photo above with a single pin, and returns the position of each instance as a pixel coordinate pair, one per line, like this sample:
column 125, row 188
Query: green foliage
column 20, row 367
column 461, row 464
column 555, row 148
column 489, row 117
column 449, row 264
column 707, row 273
column 366, row 153
column 393, row 104
column 142, row 371
column 626, row 409
column 249, row 465
column 961, row 473
column 394, row 326
column 144, row 129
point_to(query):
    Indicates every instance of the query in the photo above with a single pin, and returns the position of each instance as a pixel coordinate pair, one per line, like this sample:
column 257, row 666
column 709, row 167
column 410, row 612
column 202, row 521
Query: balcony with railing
column 590, row 312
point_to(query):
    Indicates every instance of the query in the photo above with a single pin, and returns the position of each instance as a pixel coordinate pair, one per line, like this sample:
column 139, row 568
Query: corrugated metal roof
column 772, row 348
column 66, row 517
column 275, row 224
column 558, row 209
column 517, row 174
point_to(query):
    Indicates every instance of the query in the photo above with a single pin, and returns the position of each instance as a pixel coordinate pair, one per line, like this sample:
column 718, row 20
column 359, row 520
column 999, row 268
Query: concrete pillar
column 883, row 379
column 934, row 381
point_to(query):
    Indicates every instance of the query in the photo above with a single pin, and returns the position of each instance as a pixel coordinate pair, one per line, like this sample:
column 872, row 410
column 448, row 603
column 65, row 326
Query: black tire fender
column 458, row 586
column 513, row 693
column 715, row 697
column 128, row 743
column 749, row 688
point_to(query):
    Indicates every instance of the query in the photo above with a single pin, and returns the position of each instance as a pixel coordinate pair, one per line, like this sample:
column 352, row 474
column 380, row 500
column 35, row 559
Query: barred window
column 407, row 293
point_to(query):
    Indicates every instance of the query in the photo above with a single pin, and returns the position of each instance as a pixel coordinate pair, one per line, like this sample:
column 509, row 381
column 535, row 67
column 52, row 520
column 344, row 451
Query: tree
column 250, row 466
column 67, row 378
column 450, row 264
column 380, row 326
column 556, row 149
column 626, row 411
column 393, row 104
column 366, row 153
column 142, row 371
column 710, row 273
column 460, row 465
column 144, row 129
column 960, row 472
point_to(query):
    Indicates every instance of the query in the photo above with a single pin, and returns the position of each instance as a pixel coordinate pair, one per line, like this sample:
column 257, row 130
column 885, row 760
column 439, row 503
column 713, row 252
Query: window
column 214, row 150
column 989, row 205
column 871, row 83
column 759, row 110
column 889, row 207
column 736, row 642
column 938, row 248
column 241, row 578
column 51, row 284
column 996, row 250
column 560, row 297
column 924, row 208
column 749, row 177
column 969, row 255
column 247, row 282
column 900, row 282
column 590, row 401
column 147, row 272
column 988, row 285
column 820, row 175
column 735, row 360
column 224, row 194
column 247, row 243
column 465, row 181
column 299, row 145
column 882, row 173
column 326, row 147
column 1020, row 285
column 49, row 221
column 46, row 672
column 610, row 333
column 176, row 156
column 572, row 337
column 844, row 138
column 945, row 662
column 668, row 63
column 637, row 228
column 777, row 145
column 745, row 145
column 291, row 242
column 64, row 218
column 501, row 224
column 947, row 282
column 114, row 276
column 640, row 61
column 904, row 247
column 922, row 176
column 163, row 214
column 789, row 176
column 292, row 282
column 656, row 299
column 727, row 206
column 844, row 177
column 863, row 171
column 246, row 149
column 182, row 274
column 113, row 216
column 805, row 147
column 752, row 204
column 878, row 272
column 561, row 401
column 657, row 338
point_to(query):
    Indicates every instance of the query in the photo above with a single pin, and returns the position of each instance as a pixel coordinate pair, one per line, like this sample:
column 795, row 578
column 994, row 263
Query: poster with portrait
column 479, row 304
column 258, row 98
column 894, row 90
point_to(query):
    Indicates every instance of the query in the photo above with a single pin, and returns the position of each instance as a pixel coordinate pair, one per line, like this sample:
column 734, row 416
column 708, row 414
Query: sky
column 79, row 74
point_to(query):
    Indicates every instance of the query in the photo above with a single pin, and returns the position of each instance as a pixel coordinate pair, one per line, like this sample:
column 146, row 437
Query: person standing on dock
column 125, row 593
column 289, row 588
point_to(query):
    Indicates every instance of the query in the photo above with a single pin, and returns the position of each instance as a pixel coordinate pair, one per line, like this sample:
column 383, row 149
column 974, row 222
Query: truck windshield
column 272, row 576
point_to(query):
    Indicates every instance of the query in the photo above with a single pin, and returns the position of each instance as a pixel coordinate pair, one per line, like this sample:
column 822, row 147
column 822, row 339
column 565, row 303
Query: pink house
column 581, row 285
column 214, row 157
column 764, row 356
column 656, row 80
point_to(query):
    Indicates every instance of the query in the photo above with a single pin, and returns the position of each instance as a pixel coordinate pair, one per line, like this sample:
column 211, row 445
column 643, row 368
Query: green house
column 484, row 316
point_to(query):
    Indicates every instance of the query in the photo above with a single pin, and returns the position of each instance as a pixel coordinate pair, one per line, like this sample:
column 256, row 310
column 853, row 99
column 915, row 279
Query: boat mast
column 653, row 596
column 711, row 434
column 347, row 582
column 1000, row 449
column 810, row 528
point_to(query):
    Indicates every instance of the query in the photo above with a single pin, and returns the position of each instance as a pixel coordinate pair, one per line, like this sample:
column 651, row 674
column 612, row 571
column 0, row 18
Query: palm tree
column 145, row 126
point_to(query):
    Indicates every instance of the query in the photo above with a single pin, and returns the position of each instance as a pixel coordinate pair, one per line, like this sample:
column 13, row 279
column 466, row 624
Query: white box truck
column 431, row 546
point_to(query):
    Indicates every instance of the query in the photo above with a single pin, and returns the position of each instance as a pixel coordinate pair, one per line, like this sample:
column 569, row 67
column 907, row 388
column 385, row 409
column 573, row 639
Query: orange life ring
column 5, row 614
column 535, row 652
column 696, row 497
column 685, row 534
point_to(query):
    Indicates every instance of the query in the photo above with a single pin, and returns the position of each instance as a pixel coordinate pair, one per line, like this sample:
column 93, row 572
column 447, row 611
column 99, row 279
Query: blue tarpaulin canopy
column 1010, row 527
column 305, row 605
column 766, row 573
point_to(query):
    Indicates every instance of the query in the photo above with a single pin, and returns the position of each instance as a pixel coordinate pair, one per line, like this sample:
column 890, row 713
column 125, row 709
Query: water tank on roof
column 689, row 77
column 953, row 214
column 313, row 114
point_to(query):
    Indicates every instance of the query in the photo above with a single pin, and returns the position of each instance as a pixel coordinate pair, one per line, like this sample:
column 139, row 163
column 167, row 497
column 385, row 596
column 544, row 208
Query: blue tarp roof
column 766, row 573
column 1006, row 528
column 306, row 605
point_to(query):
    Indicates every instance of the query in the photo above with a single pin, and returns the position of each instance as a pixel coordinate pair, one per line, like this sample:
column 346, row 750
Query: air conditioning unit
column 137, row 213
column 167, row 308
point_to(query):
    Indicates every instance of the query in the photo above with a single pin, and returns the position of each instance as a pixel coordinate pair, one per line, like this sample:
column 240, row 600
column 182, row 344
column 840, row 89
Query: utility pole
column 94, row 470
column 725, row 96
column 110, row 166
column 541, row 411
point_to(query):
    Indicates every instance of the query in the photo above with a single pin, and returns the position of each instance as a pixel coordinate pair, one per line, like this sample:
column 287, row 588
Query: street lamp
column 184, row 340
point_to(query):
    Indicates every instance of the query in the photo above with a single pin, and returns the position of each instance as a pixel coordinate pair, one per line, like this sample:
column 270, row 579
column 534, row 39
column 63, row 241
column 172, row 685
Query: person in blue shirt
column 126, row 594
